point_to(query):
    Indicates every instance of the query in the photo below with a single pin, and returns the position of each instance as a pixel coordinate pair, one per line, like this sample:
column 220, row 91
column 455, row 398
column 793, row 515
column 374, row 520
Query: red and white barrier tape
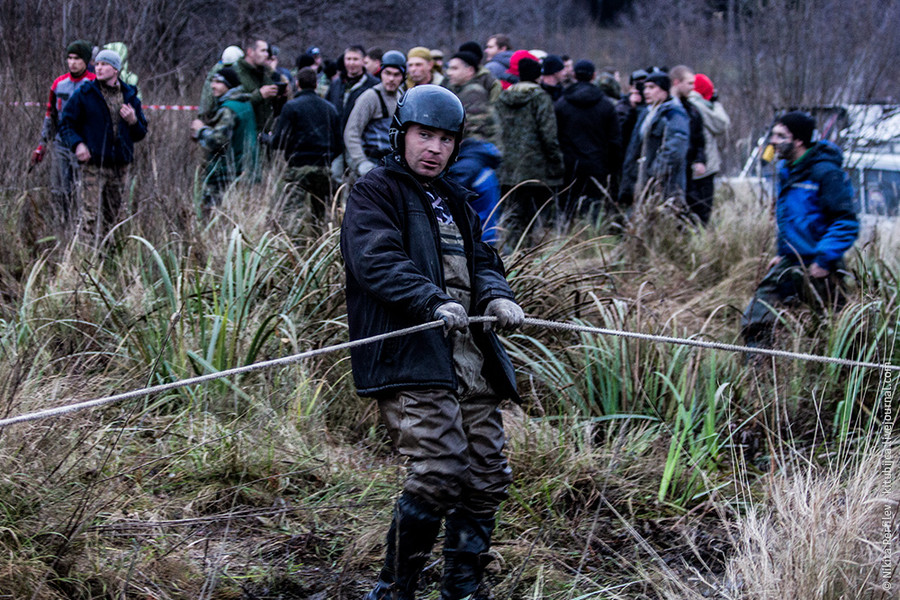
column 187, row 107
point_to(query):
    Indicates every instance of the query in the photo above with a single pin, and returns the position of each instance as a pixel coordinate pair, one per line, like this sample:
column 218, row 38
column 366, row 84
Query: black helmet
column 432, row 106
column 395, row 59
column 638, row 76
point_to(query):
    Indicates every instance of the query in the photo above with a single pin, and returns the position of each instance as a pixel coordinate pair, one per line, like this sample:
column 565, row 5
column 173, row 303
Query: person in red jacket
column 64, row 166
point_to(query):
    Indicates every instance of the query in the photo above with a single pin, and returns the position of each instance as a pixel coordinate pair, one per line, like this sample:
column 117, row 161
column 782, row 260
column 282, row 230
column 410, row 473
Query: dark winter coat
column 554, row 91
column 588, row 132
column 309, row 131
column 528, row 130
column 663, row 151
column 391, row 245
column 814, row 209
column 628, row 116
column 86, row 119
column 343, row 94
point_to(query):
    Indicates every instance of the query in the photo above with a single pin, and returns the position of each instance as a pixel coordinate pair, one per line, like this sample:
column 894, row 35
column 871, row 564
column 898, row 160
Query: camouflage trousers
column 100, row 192
column 454, row 449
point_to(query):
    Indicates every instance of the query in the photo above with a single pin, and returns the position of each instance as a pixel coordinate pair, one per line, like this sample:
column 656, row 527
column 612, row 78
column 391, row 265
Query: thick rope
column 165, row 387
column 665, row 339
column 62, row 410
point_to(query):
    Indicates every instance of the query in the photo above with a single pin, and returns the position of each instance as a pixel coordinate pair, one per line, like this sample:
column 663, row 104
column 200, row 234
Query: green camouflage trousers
column 100, row 191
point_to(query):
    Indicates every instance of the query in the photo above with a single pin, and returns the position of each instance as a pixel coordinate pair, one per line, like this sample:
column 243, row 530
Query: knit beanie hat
column 516, row 57
column 305, row 60
column 529, row 70
column 551, row 65
column 473, row 48
column 800, row 124
column 419, row 52
column 661, row 79
column 468, row 58
column 82, row 48
column 704, row 86
column 584, row 70
column 111, row 58
column 228, row 76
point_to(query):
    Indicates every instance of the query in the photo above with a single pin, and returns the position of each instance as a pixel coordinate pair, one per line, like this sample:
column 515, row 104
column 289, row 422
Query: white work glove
column 509, row 314
column 454, row 316
column 364, row 167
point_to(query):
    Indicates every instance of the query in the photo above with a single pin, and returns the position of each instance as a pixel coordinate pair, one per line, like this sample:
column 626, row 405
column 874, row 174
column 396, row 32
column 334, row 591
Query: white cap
column 231, row 55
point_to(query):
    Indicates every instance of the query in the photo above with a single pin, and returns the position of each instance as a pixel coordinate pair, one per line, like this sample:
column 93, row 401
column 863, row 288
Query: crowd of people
column 556, row 135
column 428, row 147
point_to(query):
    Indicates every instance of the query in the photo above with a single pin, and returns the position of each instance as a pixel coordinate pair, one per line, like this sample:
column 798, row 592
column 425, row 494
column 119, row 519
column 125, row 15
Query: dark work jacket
column 336, row 96
column 395, row 279
column 589, row 132
column 309, row 131
column 628, row 116
column 86, row 118
column 555, row 91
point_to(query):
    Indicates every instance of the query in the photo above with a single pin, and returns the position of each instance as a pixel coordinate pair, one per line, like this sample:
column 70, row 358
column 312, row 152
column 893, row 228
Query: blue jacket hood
column 485, row 153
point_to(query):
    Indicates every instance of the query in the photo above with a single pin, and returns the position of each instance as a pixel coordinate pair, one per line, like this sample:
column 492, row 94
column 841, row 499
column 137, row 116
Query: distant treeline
column 761, row 54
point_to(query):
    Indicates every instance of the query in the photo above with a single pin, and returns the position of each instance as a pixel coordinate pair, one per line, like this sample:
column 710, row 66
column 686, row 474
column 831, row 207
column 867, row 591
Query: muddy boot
column 409, row 541
column 467, row 540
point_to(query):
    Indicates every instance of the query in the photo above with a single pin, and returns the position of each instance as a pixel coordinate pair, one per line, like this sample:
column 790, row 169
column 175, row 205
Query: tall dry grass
column 642, row 470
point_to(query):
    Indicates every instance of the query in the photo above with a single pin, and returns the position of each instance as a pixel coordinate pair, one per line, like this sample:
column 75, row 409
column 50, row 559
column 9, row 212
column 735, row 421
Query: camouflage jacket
column 481, row 120
column 528, row 128
column 229, row 138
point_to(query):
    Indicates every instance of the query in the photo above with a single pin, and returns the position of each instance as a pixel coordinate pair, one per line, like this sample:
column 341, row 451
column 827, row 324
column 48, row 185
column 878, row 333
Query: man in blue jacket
column 817, row 224
column 100, row 123
column 413, row 253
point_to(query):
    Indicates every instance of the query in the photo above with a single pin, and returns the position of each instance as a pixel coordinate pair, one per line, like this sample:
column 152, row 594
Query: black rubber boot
column 410, row 539
column 466, row 542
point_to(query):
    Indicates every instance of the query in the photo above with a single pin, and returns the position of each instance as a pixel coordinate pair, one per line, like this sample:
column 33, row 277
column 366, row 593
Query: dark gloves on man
column 509, row 314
